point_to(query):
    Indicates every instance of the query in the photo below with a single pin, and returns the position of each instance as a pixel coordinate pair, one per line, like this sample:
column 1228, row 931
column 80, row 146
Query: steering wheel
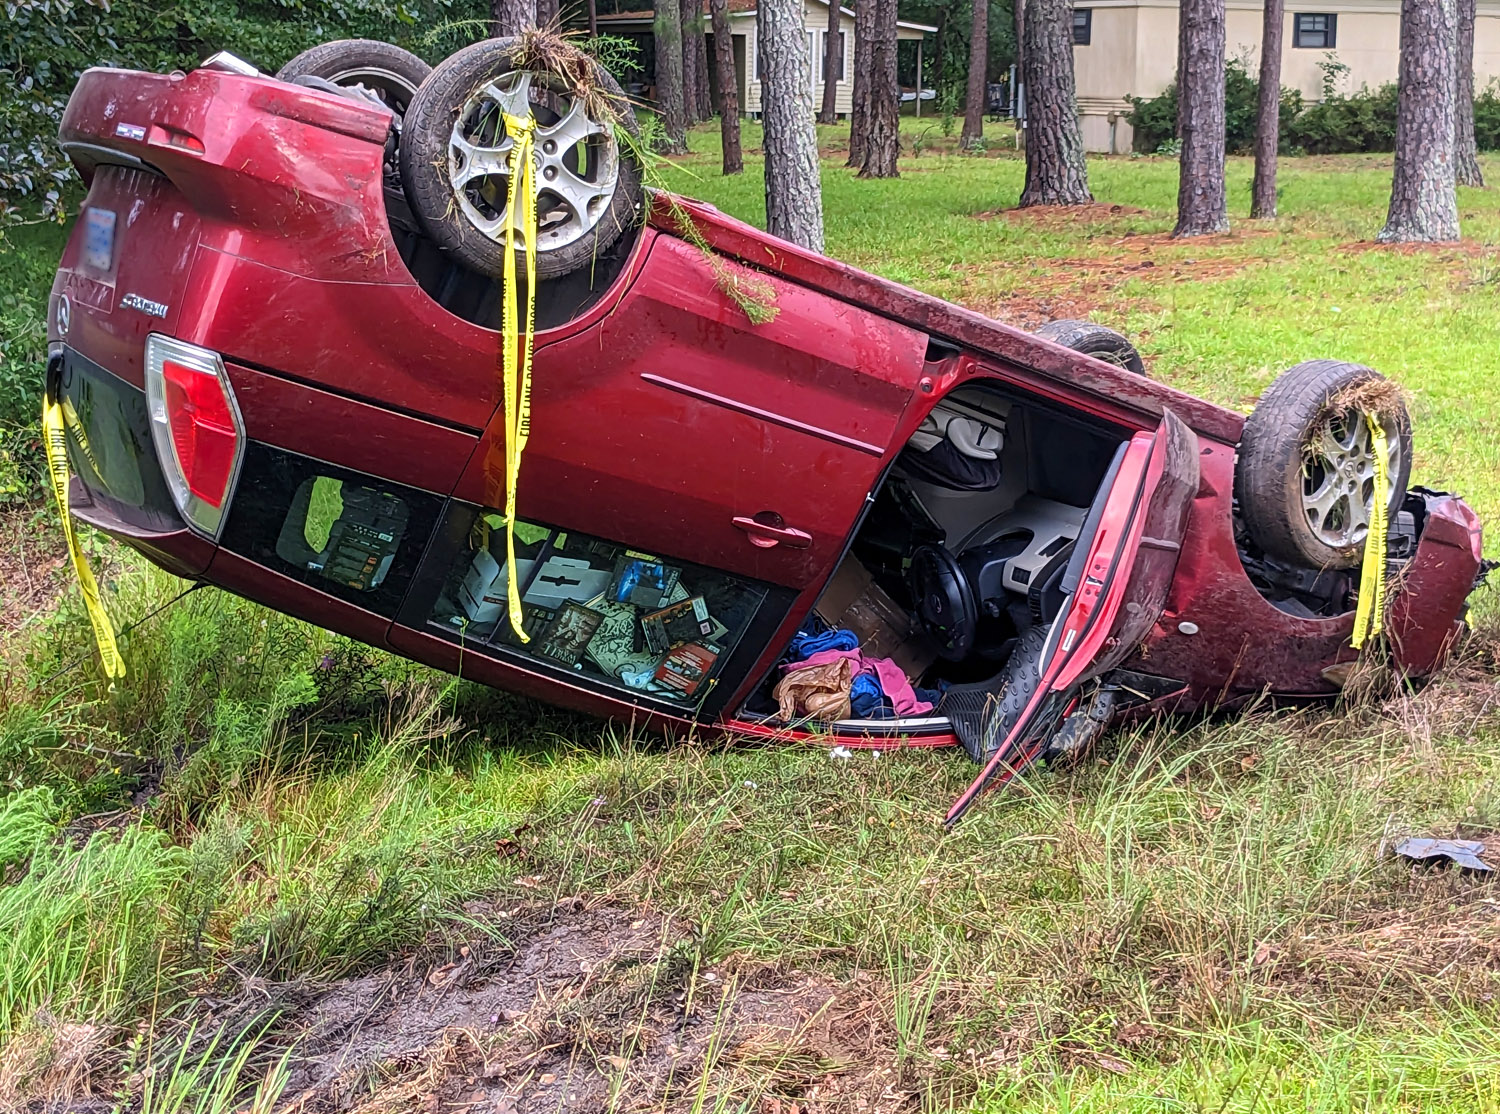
column 945, row 601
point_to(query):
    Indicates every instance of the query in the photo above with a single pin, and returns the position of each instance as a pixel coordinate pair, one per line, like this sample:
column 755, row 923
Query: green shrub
column 1155, row 118
column 1339, row 124
column 46, row 44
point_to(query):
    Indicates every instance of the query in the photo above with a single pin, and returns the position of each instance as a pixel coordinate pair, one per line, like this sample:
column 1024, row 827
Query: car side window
column 630, row 618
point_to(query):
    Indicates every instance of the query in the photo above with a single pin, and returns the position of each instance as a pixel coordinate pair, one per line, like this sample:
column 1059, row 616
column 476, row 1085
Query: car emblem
column 145, row 305
column 64, row 316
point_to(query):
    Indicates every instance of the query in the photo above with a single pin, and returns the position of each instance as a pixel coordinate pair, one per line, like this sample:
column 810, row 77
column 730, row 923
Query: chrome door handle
column 767, row 528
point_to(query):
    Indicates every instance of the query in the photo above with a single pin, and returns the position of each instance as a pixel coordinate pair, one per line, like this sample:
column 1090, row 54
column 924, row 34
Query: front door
column 1116, row 587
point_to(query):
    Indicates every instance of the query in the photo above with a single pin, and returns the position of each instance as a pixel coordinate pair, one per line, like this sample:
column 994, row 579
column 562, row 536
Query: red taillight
column 203, row 432
column 196, row 427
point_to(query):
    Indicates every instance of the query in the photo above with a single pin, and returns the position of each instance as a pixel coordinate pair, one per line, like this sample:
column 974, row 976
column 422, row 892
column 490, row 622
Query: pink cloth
column 893, row 680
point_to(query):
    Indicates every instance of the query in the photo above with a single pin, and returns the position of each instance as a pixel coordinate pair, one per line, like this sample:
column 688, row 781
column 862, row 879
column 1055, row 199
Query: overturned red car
column 275, row 321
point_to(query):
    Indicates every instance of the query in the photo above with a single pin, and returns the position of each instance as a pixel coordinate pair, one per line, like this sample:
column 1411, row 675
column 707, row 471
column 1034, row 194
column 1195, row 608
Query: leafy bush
column 1340, row 123
column 46, row 44
column 1155, row 118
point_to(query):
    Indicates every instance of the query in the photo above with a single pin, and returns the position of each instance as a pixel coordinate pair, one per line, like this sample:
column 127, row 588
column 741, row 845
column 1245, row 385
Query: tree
column 1056, row 172
column 1424, row 204
column 1202, row 208
column 694, row 63
column 512, row 16
column 883, row 125
column 667, row 28
column 833, row 63
column 700, row 90
column 1467, row 160
column 1268, row 114
column 794, row 194
column 547, row 13
column 979, row 59
column 859, row 107
column 729, row 90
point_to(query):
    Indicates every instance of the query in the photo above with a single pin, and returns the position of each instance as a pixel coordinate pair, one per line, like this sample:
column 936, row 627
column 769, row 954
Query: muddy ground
column 578, row 1007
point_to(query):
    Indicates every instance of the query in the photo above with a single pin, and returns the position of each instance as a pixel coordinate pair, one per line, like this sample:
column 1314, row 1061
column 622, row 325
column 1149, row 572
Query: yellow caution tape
column 1369, row 615
column 56, row 420
column 515, row 347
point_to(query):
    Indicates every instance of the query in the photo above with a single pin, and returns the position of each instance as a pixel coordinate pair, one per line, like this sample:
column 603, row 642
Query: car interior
column 970, row 538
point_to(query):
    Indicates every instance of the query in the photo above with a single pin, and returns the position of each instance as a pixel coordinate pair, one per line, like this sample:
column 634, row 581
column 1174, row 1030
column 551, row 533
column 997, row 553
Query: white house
column 742, row 29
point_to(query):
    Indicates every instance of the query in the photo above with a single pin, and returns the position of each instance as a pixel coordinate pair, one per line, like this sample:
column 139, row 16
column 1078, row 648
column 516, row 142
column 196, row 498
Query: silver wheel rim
column 1338, row 478
column 575, row 160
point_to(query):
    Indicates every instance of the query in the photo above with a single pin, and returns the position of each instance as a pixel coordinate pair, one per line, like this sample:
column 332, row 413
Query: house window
column 1083, row 26
column 823, row 57
column 1314, row 31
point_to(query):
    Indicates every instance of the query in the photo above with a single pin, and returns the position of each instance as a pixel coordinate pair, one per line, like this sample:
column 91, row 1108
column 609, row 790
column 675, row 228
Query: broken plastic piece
column 1462, row 852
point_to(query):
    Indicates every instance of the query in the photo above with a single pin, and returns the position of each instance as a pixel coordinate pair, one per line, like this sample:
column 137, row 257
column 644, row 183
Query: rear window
column 351, row 535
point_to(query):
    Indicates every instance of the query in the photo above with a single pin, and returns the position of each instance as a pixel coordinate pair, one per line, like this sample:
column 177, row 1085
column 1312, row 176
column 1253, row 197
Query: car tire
column 1305, row 455
column 983, row 713
column 581, row 211
column 1096, row 341
column 391, row 73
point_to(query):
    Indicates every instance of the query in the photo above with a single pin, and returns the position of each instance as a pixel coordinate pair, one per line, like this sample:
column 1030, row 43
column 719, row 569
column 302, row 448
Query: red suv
column 279, row 338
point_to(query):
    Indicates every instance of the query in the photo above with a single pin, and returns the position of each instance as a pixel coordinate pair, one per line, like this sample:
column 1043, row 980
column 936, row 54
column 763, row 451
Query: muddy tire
column 455, row 162
column 1305, row 479
column 392, row 74
column 1096, row 341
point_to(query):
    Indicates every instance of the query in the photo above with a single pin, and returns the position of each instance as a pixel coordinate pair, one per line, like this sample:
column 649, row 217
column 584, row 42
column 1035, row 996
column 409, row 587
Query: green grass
column 1197, row 919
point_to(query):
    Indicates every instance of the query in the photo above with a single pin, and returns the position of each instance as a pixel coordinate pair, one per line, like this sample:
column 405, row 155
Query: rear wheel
column 455, row 156
column 1096, row 341
column 390, row 74
column 1305, row 478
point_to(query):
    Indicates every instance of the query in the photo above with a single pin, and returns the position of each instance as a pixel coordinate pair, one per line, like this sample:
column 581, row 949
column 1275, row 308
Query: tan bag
column 819, row 691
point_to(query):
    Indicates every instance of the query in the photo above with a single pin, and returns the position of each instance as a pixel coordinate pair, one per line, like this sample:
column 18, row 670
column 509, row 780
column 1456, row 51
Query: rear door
column 1117, row 586
column 689, row 480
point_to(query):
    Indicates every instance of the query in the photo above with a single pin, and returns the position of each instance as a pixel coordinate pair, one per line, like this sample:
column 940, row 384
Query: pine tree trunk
column 832, row 58
column 729, row 87
column 859, row 109
column 1467, row 158
column 794, row 193
column 1202, row 208
column 979, row 59
column 1424, row 205
column 701, row 89
column 883, row 134
column 689, row 63
column 1268, row 115
column 546, row 13
column 668, row 30
column 512, row 16
column 1056, row 172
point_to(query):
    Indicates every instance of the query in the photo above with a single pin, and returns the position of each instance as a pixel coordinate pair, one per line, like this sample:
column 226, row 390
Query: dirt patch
column 1070, row 288
column 1069, row 216
column 585, row 1008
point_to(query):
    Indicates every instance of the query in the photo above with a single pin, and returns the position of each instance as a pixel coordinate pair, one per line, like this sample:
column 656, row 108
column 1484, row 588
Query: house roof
column 739, row 8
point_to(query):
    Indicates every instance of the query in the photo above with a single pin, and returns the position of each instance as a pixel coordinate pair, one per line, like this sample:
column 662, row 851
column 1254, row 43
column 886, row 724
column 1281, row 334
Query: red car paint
column 251, row 216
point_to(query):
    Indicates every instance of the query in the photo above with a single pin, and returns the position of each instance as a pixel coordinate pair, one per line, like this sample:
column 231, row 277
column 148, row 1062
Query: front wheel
column 1305, row 480
column 391, row 74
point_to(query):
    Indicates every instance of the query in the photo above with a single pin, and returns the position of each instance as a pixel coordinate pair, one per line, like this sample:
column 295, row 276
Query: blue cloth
column 806, row 644
column 865, row 697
